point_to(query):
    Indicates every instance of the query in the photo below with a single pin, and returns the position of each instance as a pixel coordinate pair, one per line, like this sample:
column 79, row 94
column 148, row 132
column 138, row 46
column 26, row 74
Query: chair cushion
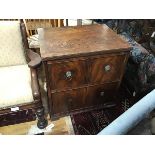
column 15, row 85
column 11, row 45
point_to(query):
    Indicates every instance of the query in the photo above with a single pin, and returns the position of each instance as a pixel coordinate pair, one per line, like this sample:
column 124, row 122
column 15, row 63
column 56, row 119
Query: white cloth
column 35, row 130
column 33, row 41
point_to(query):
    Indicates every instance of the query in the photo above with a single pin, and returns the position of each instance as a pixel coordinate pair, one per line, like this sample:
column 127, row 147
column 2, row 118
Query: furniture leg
column 42, row 121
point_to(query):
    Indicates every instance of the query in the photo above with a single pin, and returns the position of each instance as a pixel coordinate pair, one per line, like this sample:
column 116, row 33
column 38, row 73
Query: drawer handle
column 68, row 74
column 107, row 68
column 102, row 93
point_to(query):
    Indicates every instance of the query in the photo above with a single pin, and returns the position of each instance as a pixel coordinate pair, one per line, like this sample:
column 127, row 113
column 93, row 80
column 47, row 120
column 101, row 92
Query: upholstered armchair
column 19, row 86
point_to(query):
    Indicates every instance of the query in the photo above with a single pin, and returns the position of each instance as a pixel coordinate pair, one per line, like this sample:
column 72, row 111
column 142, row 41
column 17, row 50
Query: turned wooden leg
column 42, row 121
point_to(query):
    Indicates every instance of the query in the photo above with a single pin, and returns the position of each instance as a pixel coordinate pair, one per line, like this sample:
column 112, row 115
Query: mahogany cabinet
column 84, row 66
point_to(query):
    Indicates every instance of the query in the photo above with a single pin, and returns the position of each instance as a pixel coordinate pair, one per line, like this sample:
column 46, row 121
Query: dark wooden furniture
column 27, row 111
column 84, row 66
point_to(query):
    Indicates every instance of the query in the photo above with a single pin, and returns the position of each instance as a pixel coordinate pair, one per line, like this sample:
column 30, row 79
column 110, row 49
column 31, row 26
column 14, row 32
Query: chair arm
column 35, row 59
column 35, row 85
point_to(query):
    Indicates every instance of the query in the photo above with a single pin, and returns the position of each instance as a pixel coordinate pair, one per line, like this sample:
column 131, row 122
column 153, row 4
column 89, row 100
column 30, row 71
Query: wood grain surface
column 84, row 66
column 79, row 40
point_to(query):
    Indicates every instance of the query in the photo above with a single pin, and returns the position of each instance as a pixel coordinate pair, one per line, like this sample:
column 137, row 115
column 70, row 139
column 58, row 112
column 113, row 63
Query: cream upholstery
column 11, row 46
column 15, row 85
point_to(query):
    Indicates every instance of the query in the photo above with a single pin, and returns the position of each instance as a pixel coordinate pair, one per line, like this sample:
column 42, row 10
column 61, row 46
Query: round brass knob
column 68, row 74
column 107, row 68
column 102, row 93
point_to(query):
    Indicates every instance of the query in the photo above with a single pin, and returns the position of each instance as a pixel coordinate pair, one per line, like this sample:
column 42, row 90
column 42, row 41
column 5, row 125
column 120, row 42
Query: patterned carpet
column 92, row 122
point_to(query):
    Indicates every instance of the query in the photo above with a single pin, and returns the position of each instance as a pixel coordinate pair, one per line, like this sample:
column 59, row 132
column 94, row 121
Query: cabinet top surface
column 79, row 40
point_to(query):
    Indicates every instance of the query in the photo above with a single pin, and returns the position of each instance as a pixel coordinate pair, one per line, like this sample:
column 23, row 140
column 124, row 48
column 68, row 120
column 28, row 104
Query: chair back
column 33, row 24
column 11, row 44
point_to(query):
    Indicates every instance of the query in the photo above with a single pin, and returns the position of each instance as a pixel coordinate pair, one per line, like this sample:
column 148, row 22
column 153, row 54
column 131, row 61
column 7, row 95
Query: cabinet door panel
column 67, row 74
column 68, row 101
column 100, row 94
column 106, row 69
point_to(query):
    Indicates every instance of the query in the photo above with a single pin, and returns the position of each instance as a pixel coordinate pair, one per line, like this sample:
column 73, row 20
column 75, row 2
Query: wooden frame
column 36, row 106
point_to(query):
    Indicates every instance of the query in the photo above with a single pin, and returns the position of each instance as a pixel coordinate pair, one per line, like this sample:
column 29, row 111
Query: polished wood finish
column 68, row 101
column 67, row 74
column 82, row 98
column 35, row 84
column 106, row 69
column 35, row 59
column 80, row 40
column 84, row 66
column 101, row 94
column 42, row 121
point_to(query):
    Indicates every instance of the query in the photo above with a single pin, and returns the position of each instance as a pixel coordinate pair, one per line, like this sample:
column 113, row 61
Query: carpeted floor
column 92, row 122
